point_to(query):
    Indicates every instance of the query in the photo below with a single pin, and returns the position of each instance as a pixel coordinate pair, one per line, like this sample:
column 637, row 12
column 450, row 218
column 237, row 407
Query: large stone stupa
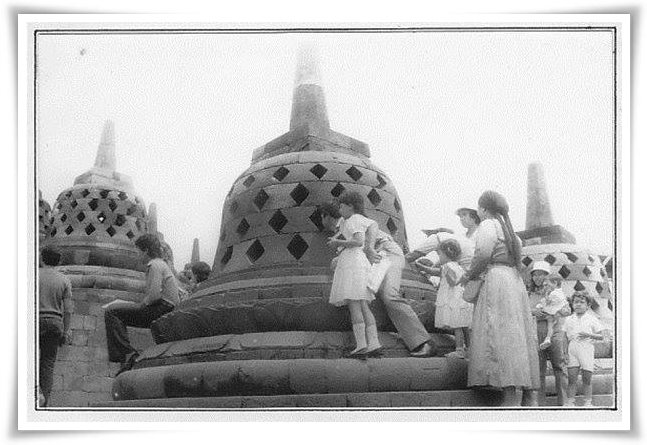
column 260, row 331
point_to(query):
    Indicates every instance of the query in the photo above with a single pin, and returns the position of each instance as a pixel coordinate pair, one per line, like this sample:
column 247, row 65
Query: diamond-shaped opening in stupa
column 112, row 205
column 63, row 217
column 85, row 193
column 297, row 246
column 278, row 221
column 599, row 288
column 319, row 171
column 243, row 227
column 233, row 207
column 104, row 193
column 93, row 204
column 80, row 216
column 101, row 217
column 393, row 228
column 317, row 220
column 53, row 232
column 550, row 259
column 374, row 197
column 90, row 229
column 299, row 193
column 261, row 199
column 586, row 271
column 571, row 257
column 281, row 173
column 396, row 204
column 354, row 173
column 255, row 251
column 227, row 256
column 69, row 230
column 123, row 196
column 527, row 261
column 120, row 220
column 74, row 203
column 130, row 234
column 579, row 286
column 564, row 272
column 111, row 231
column 249, row 181
column 381, row 182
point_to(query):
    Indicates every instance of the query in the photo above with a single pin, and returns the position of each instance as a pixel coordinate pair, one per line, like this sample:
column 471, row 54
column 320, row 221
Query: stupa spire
column 152, row 218
column 106, row 158
column 538, row 213
column 195, row 252
column 308, row 100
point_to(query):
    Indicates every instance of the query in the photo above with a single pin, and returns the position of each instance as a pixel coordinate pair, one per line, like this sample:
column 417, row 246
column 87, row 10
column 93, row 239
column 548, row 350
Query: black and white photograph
column 345, row 221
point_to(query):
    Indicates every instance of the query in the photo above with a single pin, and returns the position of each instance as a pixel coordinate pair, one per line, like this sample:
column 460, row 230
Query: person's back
column 53, row 288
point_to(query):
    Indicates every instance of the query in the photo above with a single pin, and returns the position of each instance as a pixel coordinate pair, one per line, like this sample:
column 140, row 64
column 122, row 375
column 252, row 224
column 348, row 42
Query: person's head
column 329, row 215
column 50, row 256
column 150, row 246
column 492, row 203
column 201, row 271
column 540, row 270
column 449, row 250
column 351, row 203
column 469, row 217
column 553, row 281
column 581, row 301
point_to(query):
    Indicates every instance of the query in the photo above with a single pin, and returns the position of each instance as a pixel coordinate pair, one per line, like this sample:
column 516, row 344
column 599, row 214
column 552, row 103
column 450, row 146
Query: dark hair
column 50, row 256
column 353, row 199
column 472, row 213
column 583, row 294
column 532, row 287
column 496, row 204
column 150, row 244
column 329, row 209
column 201, row 271
column 451, row 248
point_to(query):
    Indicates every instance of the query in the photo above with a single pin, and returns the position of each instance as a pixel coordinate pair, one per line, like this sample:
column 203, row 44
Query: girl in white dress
column 349, row 286
column 452, row 312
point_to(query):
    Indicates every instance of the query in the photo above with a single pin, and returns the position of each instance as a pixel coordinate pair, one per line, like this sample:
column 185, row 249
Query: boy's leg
column 572, row 385
column 587, row 387
column 49, row 338
column 557, row 354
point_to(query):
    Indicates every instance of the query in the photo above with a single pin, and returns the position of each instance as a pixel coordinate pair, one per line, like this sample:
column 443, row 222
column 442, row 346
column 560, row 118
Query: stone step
column 420, row 399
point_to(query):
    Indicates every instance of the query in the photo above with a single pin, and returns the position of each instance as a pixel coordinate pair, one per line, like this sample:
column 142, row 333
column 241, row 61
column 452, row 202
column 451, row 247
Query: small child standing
column 452, row 312
column 350, row 280
column 582, row 327
column 551, row 303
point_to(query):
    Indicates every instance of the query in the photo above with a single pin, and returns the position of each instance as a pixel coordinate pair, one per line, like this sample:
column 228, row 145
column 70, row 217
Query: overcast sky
column 447, row 115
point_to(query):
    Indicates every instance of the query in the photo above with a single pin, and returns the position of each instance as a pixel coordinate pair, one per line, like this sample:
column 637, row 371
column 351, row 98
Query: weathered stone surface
column 302, row 314
column 278, row 377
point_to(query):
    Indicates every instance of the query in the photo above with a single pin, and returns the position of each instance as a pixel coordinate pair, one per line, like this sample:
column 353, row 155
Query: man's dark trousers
column 119, row 347
column 50, row 336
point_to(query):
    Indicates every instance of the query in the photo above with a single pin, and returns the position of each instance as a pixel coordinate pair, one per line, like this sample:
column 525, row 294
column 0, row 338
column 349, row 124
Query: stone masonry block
column 90, row 322
column 97, row 384
column 72, row 399
column 390, row 375
column 368, row 400
column 309, row 378
column 76, row 321
column 82, row 307
column 80, row 337
column 346, row 375
column 73, row 382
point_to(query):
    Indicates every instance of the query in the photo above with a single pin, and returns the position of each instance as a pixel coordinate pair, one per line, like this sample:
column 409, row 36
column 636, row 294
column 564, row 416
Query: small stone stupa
column 96, row 221
column 545, row 241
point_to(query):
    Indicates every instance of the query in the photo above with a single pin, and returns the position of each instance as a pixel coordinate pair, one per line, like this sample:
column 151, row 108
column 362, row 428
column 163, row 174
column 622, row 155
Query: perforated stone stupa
column 545, row 241
column 95, row 222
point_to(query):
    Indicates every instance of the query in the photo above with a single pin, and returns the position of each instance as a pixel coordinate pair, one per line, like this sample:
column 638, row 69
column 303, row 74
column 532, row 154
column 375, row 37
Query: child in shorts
column 552, row 302
column 582, row 328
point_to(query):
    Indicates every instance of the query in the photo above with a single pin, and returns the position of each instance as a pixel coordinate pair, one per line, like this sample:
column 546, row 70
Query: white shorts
column 581, row 355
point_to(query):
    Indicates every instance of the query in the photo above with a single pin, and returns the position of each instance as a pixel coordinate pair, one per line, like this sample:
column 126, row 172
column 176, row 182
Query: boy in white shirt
column 582, row 327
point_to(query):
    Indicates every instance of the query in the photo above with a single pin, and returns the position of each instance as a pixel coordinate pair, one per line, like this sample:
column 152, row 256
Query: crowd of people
column 506, row 331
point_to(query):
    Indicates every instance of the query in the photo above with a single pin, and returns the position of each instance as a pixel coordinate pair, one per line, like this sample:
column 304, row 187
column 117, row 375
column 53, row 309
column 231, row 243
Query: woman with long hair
column 503, row 352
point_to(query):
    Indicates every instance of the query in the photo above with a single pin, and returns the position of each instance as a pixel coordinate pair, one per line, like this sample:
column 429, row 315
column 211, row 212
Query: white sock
column 371, row 334
column 359, row 329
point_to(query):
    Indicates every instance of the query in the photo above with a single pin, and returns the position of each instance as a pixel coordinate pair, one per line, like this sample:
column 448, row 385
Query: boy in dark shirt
column 54, row 313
